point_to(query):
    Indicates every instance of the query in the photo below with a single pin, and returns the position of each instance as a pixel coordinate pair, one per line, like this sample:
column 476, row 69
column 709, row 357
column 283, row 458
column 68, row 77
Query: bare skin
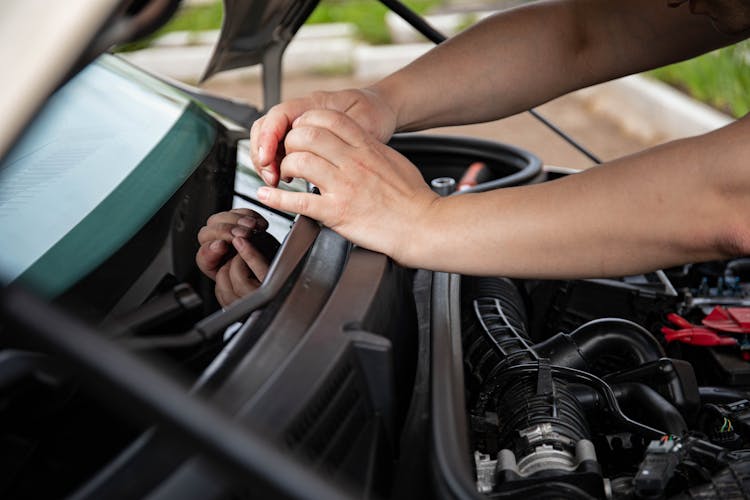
column 685, row 201
column 236, row 274
column 566, row 228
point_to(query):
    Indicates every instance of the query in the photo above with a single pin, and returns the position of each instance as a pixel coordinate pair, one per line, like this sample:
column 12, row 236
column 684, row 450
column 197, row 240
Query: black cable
column 565, row 137
column 418, row 23
column 415, row 20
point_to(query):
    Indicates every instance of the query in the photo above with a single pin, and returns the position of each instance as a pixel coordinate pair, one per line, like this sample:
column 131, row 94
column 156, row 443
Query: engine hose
column 495, row 340
column 654, row 408
column 494, row 331
column 520, row 407
column 522, row 403
column 721, row 395
column 600, row 338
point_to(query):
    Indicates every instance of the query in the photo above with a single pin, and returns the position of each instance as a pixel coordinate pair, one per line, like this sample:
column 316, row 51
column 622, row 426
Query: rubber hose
column 656, row 410
column 601, row 337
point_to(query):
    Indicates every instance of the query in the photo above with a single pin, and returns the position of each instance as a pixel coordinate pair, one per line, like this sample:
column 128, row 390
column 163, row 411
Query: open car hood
column 257, row 32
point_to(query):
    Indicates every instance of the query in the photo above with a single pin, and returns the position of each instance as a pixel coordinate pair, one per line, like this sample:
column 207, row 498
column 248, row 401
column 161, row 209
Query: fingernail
column 261, row 156
column 240, row 231
column 263, row 193
column 239, row 243
column 216, row 245
column 296, row 121
column 247, row 222
column 267, row 177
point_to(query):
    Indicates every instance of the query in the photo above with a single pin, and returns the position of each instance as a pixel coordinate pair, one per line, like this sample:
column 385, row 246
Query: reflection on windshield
column 90, row 136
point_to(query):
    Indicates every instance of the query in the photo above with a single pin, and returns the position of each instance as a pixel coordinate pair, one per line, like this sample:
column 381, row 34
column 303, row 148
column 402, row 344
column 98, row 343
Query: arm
column 506, row 64
column 526, row 56
column 682, row 202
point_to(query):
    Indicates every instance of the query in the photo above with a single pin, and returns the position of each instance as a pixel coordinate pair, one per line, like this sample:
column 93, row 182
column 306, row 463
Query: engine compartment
column 629, row 388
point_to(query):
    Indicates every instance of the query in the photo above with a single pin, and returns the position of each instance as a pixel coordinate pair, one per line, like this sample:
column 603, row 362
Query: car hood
column 256, row 31
column 73, row 33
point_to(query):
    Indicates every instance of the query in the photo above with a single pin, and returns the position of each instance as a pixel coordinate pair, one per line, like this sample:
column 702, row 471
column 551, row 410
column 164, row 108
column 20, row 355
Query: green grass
column 367, row 15
column 193, row 18
column 720, row 79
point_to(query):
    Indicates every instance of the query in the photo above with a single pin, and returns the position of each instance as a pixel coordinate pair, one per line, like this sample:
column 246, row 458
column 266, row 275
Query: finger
column 250, row 218
column 225, row 232
column 321, row 142
column 210, row 256
column 254, row 259
column 263, row 152
column 223, row 290
column 310, row 167
column 254, row 133
column 308, row 204
column 236, row 215
column 336, row 122
column 242, row 279
column 268, row 133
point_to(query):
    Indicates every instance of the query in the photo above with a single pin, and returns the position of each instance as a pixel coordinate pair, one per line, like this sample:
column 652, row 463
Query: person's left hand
column 225, row 233
column 369, row 193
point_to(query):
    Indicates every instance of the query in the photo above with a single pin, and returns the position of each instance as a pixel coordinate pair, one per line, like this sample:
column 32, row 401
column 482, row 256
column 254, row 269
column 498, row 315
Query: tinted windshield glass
column 96, row 137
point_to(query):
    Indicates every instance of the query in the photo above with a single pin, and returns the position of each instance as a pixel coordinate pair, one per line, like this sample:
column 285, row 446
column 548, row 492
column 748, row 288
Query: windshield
column 106, row 152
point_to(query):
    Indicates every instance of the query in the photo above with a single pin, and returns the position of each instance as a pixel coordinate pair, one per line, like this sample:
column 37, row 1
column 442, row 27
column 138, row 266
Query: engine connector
column 658, row 467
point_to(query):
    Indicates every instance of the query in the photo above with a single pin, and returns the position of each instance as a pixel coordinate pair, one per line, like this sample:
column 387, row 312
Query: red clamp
column 729, row 319
column 694, row 335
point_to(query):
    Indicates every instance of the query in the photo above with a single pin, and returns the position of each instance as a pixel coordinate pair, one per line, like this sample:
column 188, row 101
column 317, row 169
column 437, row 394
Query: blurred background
column 348, row 43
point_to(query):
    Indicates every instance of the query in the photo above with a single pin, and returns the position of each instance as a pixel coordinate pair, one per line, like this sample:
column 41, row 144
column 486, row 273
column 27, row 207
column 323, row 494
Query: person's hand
column 370, row 194
column 228, row 256
column 365, row 106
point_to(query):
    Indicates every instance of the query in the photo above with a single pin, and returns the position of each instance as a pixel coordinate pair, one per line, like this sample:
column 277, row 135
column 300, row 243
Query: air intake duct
column 540, row 430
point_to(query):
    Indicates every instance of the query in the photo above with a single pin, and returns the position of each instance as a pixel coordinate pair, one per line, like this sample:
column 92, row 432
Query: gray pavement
column 573, row 114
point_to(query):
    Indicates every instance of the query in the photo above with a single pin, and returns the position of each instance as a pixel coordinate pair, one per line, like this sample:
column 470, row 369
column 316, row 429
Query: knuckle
column 311, row 134
column 257, row 124
column 243, row 211
column 338, row 120
column 301, row 204
column 319, row 97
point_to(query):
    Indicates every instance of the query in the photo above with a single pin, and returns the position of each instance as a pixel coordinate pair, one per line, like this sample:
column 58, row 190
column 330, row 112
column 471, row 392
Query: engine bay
column 630, row 388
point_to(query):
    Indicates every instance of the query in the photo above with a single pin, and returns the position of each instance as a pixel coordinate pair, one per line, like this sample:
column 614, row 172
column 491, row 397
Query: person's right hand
column 365, row 106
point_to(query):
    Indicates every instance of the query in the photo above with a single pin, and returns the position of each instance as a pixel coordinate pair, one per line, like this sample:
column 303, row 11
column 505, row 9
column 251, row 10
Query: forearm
column 684, row 202
column 529, row 55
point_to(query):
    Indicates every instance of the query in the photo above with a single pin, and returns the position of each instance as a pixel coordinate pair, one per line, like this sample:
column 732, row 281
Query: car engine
column 631, row 388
